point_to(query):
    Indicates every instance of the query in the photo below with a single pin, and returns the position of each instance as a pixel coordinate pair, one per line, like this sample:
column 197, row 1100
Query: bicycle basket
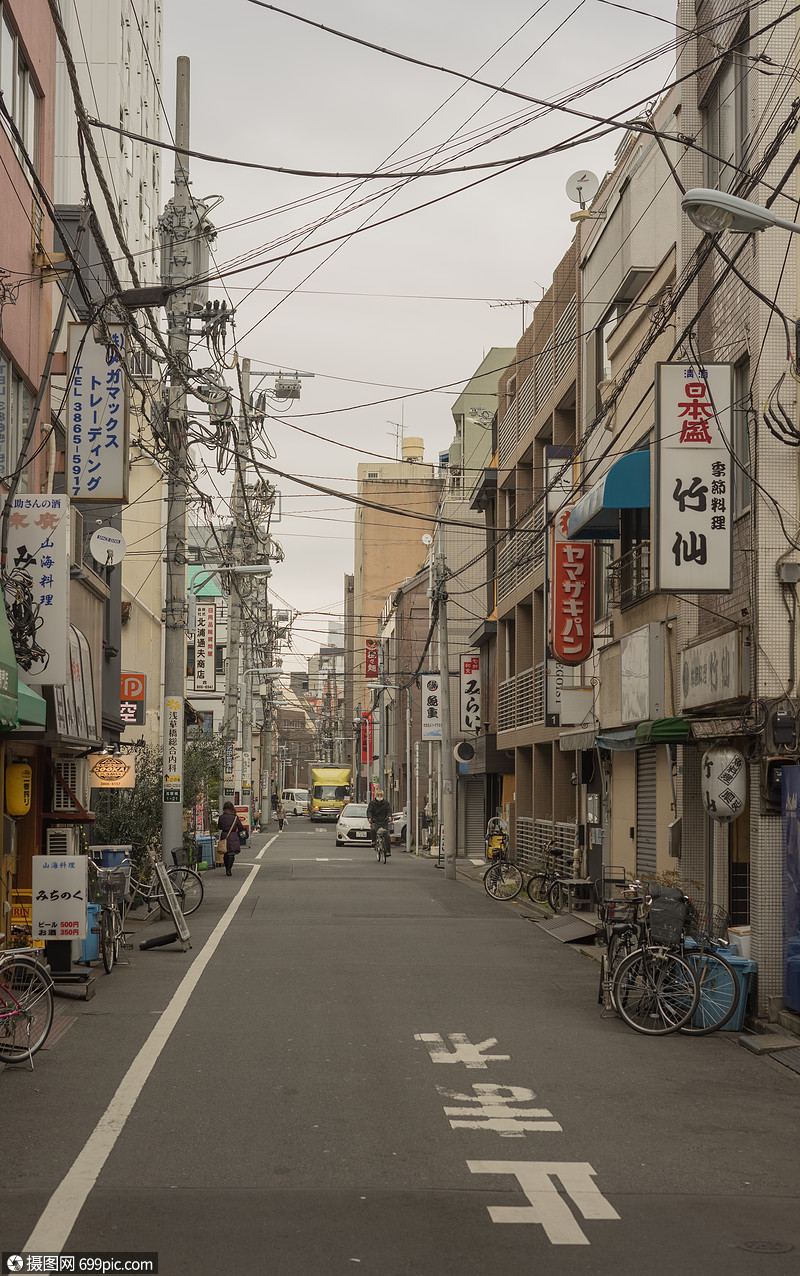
column 706, row 921
column 618, row 910
column 112, row 884
column 667, row 914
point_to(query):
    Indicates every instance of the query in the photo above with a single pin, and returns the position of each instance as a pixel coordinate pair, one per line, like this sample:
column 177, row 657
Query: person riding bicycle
column 379, row 814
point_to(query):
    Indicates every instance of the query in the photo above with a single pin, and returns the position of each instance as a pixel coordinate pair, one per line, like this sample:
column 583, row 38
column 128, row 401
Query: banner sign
column 432, row 707
column 107, row 771
column 693, row 488
column 132, row 689
column 229, row 771
column 59, row 896
column 205, row 644
column 571, row 594
column 173, row 749
column 38, row 565
column 469, row 667
column 371, row 658
column 97, row 416
column 367, row 739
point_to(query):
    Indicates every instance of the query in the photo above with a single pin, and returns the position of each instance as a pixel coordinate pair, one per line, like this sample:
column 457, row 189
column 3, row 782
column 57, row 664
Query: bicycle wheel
column 558, row 897
column 189, row 888
column 107, row 939
column 719, row 993
column 537, row 888
column 655, row 991
column 382, row 841
column 26, row 1008
column 503, row 881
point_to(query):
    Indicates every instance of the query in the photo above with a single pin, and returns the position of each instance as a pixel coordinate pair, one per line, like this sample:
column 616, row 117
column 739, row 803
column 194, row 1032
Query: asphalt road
column 367, row 1067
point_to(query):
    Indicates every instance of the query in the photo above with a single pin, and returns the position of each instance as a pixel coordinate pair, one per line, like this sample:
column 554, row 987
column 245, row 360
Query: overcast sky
column 412, row 304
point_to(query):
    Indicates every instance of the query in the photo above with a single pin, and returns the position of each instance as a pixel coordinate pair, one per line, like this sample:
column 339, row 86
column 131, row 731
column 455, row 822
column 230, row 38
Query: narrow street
column 382, row 1069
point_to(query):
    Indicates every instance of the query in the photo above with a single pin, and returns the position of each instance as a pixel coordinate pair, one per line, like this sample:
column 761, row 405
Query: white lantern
column 724, row 781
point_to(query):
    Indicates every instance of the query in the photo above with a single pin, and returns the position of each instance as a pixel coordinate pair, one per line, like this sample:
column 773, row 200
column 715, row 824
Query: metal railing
column 629, row 576
column 525, row 707
column 540, row 693
column 506, row 705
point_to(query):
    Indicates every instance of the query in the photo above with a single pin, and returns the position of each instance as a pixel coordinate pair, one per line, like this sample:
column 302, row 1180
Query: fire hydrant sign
column 59, row 896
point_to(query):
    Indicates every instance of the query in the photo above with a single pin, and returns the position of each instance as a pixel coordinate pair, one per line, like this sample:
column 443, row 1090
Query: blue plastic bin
column 90, row 948
column 107, row 858
column 744, row 970
column 205, row 848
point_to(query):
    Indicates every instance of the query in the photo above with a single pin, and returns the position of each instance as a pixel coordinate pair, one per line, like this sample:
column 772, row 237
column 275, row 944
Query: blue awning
column 618, row 739
column 626, row 486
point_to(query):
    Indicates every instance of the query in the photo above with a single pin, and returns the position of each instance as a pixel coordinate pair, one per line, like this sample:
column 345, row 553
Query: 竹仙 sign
column 693, row 488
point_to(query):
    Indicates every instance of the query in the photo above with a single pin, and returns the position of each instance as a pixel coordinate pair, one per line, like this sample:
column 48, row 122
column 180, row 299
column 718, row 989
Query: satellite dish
column 582, row 187
column 107, row 546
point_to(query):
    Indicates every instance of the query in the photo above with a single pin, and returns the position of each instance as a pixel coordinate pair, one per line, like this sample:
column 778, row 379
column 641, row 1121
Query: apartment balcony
column 521, row 700
column 629, row 576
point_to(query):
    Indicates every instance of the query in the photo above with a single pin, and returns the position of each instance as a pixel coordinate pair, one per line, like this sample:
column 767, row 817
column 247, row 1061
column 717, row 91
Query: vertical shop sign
column 229, row 771
column 432, row 707
column 571, row 594
column 470, row 676
column 371, row 658
column 59, row 896
column 693, row 489
column 173, row 752
column 97, row 416
column 367, row 738
column 38, row 568
column 205, row 642
column 4, row 414
column 132, row 688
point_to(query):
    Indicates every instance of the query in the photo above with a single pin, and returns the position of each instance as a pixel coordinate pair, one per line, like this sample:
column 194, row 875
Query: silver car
column 353, row 825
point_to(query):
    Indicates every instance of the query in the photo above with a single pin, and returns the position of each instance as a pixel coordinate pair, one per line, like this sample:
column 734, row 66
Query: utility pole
column 180, row 226
column 381, row 724
column 448, row 811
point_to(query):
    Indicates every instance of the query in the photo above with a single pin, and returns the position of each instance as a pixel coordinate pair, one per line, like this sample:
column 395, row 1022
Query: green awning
column 8, row 673
column 209, row 584
column 663, row 731
column 32, row 707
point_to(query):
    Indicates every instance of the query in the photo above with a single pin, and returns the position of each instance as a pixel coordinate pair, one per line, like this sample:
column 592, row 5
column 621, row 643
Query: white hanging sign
column 59, row 896
column 205, row 642
column 97, row 415
column 173, row 749
column 693, row 488
column 469, row 667
column 38, row 571
column 432, row 707
column 724, row 783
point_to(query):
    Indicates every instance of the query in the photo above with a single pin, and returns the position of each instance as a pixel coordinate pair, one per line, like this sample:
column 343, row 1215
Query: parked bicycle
column 26, row 1005
column 502, row 879
column 111, row 885
column 655, row 989
column 621, row 926
column 546, row 885
column 147, row 889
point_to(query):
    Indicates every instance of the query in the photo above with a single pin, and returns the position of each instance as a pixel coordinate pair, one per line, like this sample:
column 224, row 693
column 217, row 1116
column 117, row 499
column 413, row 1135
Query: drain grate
column 790, row 1057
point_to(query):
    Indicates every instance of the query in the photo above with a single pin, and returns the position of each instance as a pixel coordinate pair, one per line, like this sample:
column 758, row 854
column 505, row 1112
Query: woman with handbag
column 229, row 828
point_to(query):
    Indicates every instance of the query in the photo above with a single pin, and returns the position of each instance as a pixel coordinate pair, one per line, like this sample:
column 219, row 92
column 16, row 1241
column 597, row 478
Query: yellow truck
column 328, row 790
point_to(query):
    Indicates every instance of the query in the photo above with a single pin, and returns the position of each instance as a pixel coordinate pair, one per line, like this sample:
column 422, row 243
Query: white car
column 353, row 825
column 397, row 828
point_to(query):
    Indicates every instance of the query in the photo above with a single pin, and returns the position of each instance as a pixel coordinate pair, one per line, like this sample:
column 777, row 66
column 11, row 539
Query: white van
column 295, row 801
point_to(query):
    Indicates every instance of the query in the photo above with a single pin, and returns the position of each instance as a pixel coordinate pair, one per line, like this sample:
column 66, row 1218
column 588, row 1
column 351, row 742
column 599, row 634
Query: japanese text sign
column 371, row 658
column 432, row 707
column 693, row 489
column 571, row 594
column 173, row 749
column 367, row 749
column 132, row 699
column 59, row 896
column 469, row 667
column 205, row 642
column 38, row 565
column 229, row 770
column 97, row 416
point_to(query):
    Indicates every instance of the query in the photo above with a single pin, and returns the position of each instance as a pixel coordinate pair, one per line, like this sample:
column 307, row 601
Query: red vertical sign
column 571, row 595
column 366, row 738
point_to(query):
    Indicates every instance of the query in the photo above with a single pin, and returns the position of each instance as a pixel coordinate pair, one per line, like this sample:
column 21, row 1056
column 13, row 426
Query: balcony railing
column 525, row 698
column 506, row 705
column 629, row 576
column 539, row 692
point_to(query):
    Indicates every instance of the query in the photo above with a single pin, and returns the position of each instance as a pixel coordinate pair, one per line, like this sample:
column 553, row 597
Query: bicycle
column 111, row 885
column 655, row 989
column 621, row 927
column 546, row 885
column 147, row 889
column 382, row 843
column 705, row 933
column 26, row 1006
column 502, row 879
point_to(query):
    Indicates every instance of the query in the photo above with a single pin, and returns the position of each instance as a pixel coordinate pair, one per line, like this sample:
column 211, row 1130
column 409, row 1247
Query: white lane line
column 52, row 1231
column 266, row 846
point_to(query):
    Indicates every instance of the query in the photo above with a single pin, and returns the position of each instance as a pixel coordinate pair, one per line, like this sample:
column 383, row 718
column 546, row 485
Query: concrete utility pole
column 180, row 226
column 230, row 713
column 448, row 811
column 381, row 723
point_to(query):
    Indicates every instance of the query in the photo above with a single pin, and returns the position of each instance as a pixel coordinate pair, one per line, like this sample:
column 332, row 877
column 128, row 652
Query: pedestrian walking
column 280, row 815
column 229, row 828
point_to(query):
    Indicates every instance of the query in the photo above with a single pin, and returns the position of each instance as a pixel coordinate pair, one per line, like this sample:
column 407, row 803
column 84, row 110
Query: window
column 602, row 584
column 16, row 85
column 742, row 409
column 16, row 402
column 726, row 126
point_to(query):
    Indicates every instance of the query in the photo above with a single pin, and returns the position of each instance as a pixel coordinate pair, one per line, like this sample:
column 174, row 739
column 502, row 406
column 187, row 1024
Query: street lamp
column 714, row 211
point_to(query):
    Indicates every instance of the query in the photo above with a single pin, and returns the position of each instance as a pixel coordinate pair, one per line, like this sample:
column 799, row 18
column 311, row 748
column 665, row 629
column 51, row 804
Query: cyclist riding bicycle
column 379, row 814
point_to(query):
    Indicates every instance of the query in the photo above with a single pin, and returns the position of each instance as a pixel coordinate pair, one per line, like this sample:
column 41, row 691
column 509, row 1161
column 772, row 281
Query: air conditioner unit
column 76, row 538
column 75, row 773
column 63, row 839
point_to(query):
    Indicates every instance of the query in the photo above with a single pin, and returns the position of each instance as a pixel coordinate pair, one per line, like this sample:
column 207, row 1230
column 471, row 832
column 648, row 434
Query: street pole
column 246, row 793
column 381, row 740
column 408, row 769
column 448, row 812
column 182, row 226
